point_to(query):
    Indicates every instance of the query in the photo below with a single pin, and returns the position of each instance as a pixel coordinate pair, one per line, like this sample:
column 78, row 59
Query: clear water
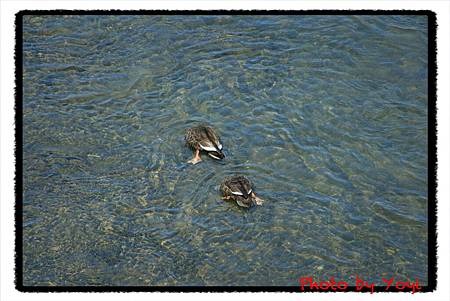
column 327, row 115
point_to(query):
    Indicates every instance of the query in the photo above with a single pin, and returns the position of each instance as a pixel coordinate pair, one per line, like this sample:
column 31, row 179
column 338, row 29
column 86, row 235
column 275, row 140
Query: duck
column 239, row 189
column 204, row 138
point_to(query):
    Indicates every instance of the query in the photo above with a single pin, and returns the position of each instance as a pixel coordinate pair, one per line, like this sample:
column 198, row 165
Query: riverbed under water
column 327, row 115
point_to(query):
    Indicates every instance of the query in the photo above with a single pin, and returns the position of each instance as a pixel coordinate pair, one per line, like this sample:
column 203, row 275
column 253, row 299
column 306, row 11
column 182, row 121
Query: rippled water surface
column 327, row 115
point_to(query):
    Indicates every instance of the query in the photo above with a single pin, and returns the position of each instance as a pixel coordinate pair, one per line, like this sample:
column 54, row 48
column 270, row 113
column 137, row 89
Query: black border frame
column 432, row 150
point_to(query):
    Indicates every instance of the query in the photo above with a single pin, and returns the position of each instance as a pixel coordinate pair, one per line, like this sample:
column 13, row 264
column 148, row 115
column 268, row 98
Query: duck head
column 217, row 154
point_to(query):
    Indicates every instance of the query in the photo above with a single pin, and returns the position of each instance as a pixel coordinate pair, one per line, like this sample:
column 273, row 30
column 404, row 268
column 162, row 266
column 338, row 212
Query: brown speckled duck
column 239, row 189
column 204, row 138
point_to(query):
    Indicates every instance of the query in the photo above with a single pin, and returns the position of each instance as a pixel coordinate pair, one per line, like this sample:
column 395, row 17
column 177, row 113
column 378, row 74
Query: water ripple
column 327, row 115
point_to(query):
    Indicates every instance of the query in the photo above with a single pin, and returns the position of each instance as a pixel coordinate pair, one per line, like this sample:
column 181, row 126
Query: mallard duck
column 239, row 189
column 204, row 138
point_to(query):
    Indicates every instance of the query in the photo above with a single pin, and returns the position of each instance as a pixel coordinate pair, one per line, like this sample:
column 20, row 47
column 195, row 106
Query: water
column 327, row 115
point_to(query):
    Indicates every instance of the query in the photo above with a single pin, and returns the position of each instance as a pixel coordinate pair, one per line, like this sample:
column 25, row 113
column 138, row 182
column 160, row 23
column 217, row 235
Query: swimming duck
column 239, row 189
column 204, row 138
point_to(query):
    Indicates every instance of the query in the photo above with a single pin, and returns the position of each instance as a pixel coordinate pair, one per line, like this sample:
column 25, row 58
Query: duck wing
column 209, row 141
column 240, row 186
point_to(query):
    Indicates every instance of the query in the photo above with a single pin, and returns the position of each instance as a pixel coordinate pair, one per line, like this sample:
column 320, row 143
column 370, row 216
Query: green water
column 327, row 115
